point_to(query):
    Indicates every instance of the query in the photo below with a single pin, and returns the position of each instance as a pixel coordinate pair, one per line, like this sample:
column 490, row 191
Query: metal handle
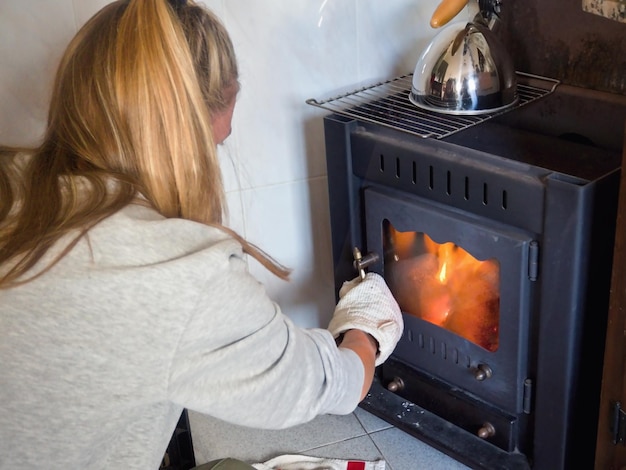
column 447, row 10
column 361, row 263
column 396, row 385
column 482, row 372
column 487, row 430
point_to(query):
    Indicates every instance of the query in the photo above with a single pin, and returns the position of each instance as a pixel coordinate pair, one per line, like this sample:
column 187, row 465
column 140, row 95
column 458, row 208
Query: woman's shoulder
column 138, row 235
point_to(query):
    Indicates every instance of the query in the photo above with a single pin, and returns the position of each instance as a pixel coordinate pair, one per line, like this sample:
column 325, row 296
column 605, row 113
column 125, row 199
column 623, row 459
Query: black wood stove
column 495, row 233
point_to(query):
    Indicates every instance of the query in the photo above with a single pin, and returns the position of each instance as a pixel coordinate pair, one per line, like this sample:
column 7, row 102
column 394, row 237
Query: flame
column 445, row 254
column 451, row 258
column 442, row 273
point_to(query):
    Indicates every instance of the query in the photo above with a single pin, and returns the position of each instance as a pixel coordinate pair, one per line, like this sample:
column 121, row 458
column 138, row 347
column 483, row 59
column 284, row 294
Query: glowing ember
column 445, row 285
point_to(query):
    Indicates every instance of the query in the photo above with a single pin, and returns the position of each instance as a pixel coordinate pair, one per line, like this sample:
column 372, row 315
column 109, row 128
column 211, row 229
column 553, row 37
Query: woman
column 124, row 298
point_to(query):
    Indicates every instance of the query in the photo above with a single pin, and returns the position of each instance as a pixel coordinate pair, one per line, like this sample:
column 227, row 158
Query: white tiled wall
column 273, row 163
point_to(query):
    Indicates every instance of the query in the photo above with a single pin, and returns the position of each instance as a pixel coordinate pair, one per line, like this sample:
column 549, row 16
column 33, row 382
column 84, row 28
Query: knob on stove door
column 361, row 263
column 487, row 430
column 395, row 385
column 482, row 372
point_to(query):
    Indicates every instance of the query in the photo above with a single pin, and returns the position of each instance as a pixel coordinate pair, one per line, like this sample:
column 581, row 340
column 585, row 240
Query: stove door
column 464, row 284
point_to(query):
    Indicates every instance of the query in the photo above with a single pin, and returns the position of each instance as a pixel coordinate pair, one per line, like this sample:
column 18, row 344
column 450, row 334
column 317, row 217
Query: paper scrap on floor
column 303, row 462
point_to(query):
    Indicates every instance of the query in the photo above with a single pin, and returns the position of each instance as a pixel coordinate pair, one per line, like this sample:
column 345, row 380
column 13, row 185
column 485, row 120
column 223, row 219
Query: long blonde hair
column 132, row 104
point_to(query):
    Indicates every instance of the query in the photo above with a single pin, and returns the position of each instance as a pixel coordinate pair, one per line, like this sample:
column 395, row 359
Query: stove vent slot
column 446, row 183
column 439, row 348
column 506, row 195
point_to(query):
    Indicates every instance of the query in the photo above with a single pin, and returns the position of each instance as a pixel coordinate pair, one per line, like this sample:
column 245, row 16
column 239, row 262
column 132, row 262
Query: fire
column 445, row 285
column 442, row 274
column 444, row 253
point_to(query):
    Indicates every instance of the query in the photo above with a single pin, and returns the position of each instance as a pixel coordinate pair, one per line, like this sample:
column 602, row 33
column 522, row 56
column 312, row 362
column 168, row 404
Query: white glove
column 369, row 306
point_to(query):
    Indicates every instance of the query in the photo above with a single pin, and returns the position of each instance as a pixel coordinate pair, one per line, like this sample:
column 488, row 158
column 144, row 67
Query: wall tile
column 288, row 52
column 85, row 9
column 391, row 37
column 234, row 215
column 290, row 222
column 33, row 35
column 217, row 6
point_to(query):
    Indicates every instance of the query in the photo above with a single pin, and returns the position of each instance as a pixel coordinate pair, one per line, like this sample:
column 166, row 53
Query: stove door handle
column 361, row 263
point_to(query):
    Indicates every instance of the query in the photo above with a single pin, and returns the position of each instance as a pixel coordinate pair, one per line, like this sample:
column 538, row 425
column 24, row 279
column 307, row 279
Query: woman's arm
column 366, row 347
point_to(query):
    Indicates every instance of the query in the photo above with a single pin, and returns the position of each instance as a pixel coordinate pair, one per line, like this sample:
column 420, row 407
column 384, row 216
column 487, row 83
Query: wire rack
column 387, row 103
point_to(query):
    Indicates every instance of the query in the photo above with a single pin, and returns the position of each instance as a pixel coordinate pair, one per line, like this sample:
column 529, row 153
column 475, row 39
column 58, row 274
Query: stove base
column 439, row 433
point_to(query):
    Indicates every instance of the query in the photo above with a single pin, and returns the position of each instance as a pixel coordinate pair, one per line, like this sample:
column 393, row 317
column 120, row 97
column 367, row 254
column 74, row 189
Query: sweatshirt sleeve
column 240, row 359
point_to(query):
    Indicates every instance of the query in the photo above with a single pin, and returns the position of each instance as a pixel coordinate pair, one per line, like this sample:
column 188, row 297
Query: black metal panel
column 508, row 192
column 345, row 220
column 576, row 262
column 454, row 405
column 445, row 355
column 439, row 432
column 572, row 219
column 179, row 454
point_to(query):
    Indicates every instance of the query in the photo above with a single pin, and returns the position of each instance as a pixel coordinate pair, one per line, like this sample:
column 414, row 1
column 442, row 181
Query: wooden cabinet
column 610, row 455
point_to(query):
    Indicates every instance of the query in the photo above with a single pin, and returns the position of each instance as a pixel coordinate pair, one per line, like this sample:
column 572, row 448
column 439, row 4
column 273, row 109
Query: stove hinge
column 618, row 424
column 527, row 396
column 533, row 260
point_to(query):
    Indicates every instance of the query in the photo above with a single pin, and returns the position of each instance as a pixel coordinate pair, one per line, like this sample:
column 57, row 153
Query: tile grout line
column 369, row 434
column 387, row 464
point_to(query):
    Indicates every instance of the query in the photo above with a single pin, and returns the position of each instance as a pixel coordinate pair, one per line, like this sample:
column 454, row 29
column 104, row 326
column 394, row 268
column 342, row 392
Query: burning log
column 448, row 287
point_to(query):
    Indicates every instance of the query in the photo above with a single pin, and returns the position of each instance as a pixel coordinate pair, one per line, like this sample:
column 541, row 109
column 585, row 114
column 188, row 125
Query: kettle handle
column 447, row 10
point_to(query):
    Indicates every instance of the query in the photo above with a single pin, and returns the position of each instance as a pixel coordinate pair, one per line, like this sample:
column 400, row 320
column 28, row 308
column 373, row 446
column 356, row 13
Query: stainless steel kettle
column 465, row 69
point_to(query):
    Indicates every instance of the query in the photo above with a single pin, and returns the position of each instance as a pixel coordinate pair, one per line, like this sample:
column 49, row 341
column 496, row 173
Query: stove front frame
column 573, row 220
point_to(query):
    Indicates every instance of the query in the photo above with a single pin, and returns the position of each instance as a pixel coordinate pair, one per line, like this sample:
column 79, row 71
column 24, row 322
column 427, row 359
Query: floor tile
column 402, row 451
column 370, row 422
column 360, row 435
column 357, row 448
column 214, row 439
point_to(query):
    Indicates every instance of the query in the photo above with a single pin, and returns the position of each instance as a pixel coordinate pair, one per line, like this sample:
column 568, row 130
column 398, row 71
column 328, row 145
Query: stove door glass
column 444, row 284
column 421, row 244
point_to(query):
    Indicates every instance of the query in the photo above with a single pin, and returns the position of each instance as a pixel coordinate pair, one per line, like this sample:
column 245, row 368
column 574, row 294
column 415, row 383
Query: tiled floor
column 359, row 435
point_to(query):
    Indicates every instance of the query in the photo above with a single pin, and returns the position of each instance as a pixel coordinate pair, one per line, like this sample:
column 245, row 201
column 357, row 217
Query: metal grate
column 387, row 103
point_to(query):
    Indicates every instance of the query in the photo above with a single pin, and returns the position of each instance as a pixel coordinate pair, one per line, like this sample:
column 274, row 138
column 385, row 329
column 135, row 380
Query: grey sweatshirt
column 144, row 317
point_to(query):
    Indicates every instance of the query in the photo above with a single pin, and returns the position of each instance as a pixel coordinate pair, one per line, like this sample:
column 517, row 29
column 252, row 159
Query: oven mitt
column 369, row 306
